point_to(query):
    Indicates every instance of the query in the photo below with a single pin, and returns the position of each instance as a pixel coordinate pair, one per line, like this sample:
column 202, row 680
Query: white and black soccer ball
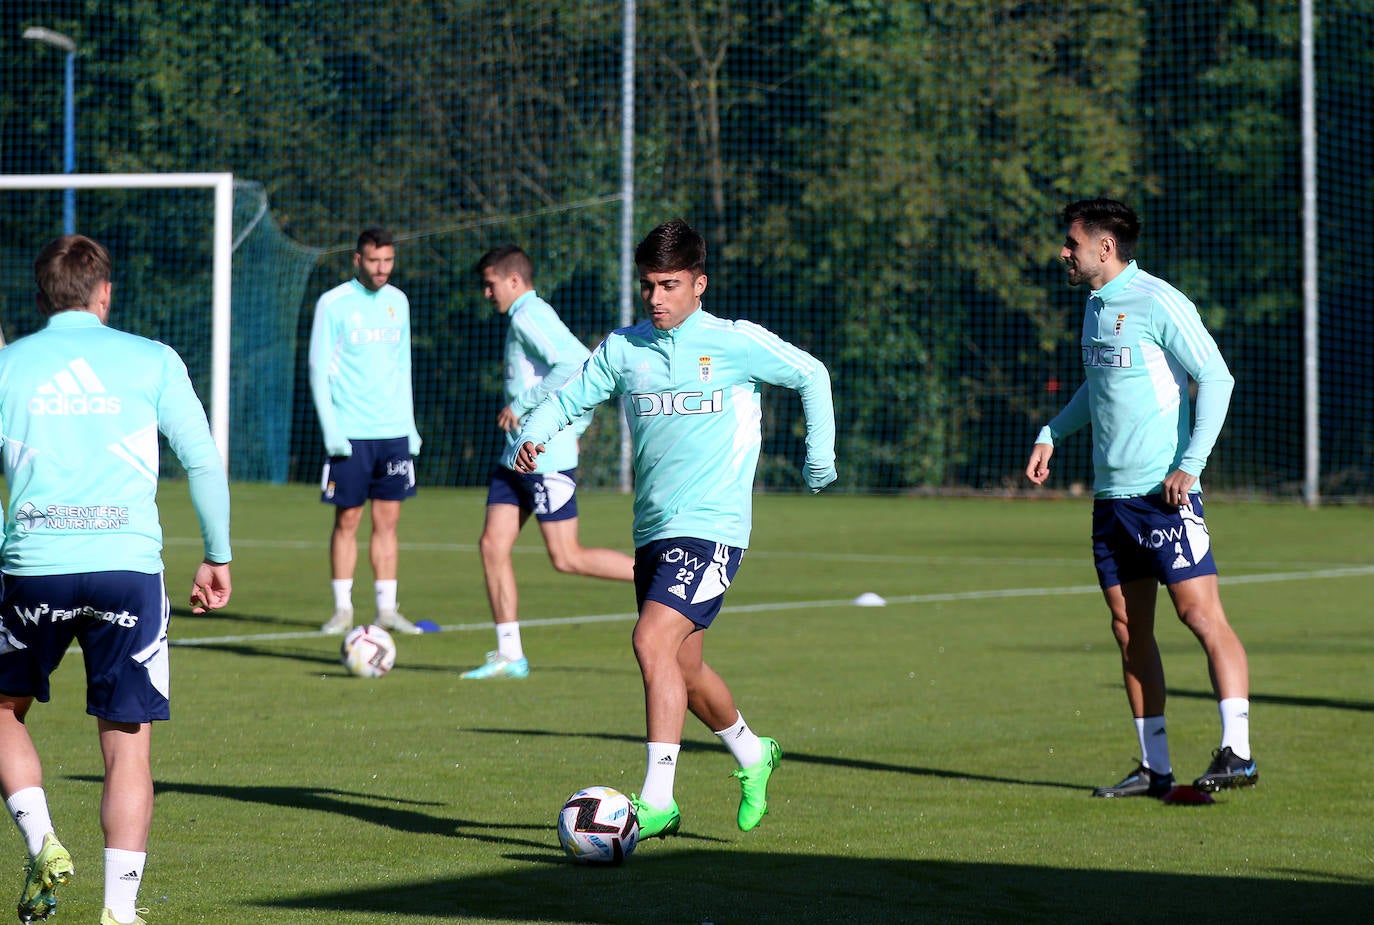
column 598, row 826
column 368, row 651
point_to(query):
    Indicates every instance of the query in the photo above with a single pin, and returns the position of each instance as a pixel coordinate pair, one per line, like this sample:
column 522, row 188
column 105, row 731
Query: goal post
column 223, row 186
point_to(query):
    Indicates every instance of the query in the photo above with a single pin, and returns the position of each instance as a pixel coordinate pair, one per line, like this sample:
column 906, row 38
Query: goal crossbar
column 223, row 186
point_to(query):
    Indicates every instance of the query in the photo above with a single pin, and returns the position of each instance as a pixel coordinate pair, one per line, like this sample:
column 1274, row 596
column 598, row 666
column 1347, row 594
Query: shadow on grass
column 266, row 650
column 371, row 808
column 326, row 662
column 664, row 883
column 275, row 649
column 1327, row 703
column 182, row 615
column 858, row 764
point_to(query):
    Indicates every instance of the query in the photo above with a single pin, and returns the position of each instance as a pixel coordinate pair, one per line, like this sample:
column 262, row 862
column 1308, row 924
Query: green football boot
column 753, row 785
column 655, row 822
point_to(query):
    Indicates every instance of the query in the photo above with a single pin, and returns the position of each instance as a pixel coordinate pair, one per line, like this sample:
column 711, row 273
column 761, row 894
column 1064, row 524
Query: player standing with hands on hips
column 1142, row 340
column 540, row 355
column 360, row 382
column 81, row 407
column 690, row 381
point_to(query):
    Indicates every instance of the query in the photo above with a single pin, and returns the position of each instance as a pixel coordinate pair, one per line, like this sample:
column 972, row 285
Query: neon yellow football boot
column 44, row 873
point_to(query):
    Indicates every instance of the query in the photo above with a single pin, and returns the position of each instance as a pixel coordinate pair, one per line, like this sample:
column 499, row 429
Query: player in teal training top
column 690, row 383
column 1142, row 341
column 81, row 407
column 360, row 381
column 541, row 354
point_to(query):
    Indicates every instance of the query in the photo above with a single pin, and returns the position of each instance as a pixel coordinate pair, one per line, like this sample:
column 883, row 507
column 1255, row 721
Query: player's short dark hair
column 1107, row 216
column 506, row 259
column 670, row 247
column 67, row 272
column 375, row 237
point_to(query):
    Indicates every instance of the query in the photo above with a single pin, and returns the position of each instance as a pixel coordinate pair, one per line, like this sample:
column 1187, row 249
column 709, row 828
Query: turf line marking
column 533, row 548
column 995, row 594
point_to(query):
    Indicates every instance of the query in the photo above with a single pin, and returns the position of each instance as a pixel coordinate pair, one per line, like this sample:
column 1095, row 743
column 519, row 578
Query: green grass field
column 939, row 751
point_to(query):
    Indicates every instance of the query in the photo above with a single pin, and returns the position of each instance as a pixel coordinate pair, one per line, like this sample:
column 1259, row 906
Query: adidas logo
column 666, row 761
column 76, row 390
column 130, row 877
column 678, row 591
column 19, row 814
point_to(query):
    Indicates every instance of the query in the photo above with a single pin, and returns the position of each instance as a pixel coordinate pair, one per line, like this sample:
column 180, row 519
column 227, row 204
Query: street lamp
column 65, row 44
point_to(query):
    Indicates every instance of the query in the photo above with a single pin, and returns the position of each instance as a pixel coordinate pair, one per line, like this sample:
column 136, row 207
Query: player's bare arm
column 508, row 420
column 1038, row 468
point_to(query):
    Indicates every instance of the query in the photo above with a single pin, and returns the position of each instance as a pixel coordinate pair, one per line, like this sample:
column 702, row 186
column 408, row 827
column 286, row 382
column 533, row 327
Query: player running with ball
column 691, row 385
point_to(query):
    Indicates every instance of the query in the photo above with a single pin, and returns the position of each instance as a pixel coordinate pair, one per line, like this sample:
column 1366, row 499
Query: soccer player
column 691, row 384
column 541, row 354
column 81, row 406
column 1142, row 340
column 360, row 381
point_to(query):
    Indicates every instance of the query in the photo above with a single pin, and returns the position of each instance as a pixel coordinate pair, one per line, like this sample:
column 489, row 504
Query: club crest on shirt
column 704, row 368
column 1120, row 320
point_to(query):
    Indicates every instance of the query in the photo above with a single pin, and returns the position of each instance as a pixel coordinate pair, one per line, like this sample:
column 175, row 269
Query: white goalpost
column 223, row 186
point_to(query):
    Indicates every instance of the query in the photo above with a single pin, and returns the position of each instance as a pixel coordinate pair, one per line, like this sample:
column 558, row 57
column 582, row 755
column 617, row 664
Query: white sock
column 1154, row 744
column 659, row 774
column 1235, row 725
column 742, row 742
column 386, row 595
column 508, row 640
column 123, row 876
column 343, row 593
column 29, row 808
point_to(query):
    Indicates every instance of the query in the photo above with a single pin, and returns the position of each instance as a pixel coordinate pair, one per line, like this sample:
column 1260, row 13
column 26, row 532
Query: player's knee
column 641, row 642
column 651, row 648
column 490, row 547
column 385, row 527
column 1204, row 621
column 566, row 561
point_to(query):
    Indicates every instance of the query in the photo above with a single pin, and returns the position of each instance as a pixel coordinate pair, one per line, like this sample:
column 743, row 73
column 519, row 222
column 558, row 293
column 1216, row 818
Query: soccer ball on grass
column 368, row 651
column 598, row 826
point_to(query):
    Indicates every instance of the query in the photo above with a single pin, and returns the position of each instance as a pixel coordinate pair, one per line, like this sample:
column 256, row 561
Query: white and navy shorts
column 1147, row 537
column 549, row 496
column 689, row 575
column 382, row 470
column 119, row 618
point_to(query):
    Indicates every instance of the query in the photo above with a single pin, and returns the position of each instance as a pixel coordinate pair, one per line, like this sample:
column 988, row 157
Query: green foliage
column 917, row 94
column 878, row 181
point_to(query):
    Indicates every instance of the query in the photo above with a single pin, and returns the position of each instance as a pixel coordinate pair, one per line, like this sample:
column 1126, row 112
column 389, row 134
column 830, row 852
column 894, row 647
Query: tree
column 952, row 133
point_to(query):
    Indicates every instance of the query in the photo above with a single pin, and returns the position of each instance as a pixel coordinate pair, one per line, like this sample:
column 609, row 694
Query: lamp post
column 65, row 44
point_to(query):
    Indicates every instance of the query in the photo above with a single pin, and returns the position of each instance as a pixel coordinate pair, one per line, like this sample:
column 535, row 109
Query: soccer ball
column 368, row 651
column 598, row 826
